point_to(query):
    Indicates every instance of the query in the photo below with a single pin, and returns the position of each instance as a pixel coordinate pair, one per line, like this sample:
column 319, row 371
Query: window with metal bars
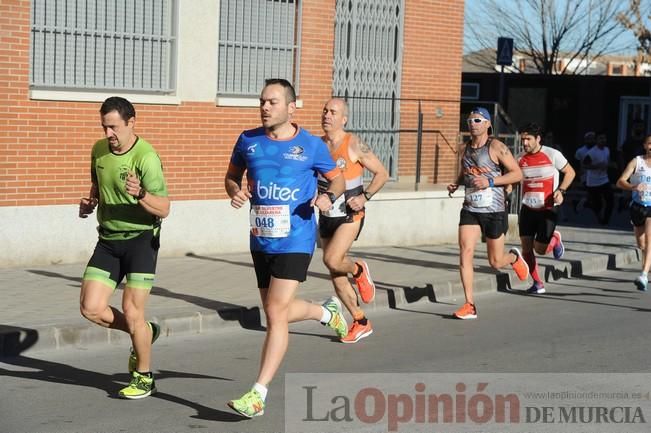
column 368, row 72
column 258, row 39
column 103, row 45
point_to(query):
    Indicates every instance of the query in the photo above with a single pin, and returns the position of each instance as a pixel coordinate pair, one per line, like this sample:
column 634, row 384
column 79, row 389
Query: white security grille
column 367, row 71
column 258, row 39
column 103, row 44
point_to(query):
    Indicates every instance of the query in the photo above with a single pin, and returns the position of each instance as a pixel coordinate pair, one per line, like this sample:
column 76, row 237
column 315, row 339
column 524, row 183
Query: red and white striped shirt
column 540, row 172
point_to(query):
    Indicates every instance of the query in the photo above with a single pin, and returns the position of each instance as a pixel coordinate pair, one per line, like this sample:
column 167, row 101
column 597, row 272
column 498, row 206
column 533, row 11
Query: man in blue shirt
column 281, row 161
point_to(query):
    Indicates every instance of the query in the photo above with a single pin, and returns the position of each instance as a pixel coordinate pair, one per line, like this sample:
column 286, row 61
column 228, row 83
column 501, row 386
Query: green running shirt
column 118, row 213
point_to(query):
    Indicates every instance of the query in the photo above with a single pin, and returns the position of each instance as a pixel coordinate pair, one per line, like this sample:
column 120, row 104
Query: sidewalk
column 192, row 294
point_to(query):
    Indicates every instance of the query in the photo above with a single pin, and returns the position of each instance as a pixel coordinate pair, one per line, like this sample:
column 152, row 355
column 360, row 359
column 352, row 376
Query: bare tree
column 634, row 20
column 547, row 31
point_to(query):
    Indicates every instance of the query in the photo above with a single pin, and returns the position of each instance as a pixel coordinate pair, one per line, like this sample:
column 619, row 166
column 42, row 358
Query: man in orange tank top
column 340, row 226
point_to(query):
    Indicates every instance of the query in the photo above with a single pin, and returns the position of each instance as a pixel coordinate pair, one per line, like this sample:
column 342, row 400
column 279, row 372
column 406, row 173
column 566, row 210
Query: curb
column 16, row 340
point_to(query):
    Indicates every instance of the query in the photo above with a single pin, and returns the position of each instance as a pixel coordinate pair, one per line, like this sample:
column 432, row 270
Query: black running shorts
column 134, row 258
column 328, row 225
column 538, row 224
column 491, row 223
column 289, row 266
column 639, row 214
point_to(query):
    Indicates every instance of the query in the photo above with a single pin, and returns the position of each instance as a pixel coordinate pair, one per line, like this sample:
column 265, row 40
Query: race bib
column 270, row 221
column 534, row 199
column 644, row 196
column 338, row 208
column 479, row 197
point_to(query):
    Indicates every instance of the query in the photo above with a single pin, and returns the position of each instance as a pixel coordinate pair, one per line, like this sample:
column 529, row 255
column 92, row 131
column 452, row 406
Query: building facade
column 194, row 69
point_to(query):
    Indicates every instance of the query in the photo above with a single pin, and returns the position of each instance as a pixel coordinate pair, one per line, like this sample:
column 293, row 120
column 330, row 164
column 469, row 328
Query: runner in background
column 637, row 178
column 487, row 167
column 341, row 225
column 542, row 196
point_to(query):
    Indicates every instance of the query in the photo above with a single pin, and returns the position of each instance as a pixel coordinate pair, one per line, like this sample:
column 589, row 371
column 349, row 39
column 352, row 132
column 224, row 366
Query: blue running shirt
column 282, row 179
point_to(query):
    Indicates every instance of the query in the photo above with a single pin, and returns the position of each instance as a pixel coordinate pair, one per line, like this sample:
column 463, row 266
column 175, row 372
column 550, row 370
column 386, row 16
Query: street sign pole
column 504, row 58
column 501, row 91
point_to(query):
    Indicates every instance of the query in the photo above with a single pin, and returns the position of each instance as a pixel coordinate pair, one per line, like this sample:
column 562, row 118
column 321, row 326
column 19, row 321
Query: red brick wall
column 431, row 69
column 45, row 145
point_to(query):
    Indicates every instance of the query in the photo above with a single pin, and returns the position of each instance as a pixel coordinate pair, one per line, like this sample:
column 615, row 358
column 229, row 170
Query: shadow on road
column 248, row 318
column 14, row 340
column 49, row 371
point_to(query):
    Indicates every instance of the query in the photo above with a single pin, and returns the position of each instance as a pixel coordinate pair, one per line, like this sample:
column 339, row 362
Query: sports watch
column 141, row 193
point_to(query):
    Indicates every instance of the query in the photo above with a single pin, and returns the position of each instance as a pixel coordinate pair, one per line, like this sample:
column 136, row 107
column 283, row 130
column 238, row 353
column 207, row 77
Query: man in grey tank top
column 487, row 166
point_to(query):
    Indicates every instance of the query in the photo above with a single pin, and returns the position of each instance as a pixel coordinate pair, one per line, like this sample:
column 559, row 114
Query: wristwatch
column 561, row 190
column 141, row 194
column 367, row 196
column 331, row 195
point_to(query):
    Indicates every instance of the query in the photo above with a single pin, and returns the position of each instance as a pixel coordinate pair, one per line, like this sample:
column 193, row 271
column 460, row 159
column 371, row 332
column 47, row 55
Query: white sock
column 326, row 315
column 262, row 390
column 644, row 274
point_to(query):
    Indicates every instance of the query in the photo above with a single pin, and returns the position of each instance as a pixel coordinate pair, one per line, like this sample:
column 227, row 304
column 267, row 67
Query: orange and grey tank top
column 353, row 174
column 478, row 162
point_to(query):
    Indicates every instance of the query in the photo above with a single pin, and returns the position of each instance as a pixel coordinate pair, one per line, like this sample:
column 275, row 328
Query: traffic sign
column 504, row 51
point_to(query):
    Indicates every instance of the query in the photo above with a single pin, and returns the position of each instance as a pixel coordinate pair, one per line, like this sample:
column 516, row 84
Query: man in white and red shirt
column 541, row 196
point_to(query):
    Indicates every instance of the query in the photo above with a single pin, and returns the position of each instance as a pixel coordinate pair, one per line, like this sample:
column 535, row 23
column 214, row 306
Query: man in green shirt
column 128, row 188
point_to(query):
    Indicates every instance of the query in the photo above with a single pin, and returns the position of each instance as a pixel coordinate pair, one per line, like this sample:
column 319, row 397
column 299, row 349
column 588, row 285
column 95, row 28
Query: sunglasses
column 476, row 120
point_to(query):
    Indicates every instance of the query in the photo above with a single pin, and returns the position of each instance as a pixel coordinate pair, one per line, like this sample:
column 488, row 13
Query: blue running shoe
column 559, row 249
column 536, row 289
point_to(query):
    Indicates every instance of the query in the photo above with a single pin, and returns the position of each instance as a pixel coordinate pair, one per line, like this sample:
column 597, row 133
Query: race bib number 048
column 270, row 221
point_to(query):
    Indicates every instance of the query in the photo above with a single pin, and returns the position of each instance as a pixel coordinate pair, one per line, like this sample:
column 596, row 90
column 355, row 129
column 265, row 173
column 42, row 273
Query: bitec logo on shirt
column 275, row 192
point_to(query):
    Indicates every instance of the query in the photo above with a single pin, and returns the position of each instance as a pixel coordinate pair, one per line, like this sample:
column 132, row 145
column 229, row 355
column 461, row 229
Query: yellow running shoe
column 141, row 386
column 249, row 405
column 337, row 319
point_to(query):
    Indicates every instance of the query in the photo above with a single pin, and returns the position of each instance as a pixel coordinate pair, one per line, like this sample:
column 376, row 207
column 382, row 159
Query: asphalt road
column 596, row 324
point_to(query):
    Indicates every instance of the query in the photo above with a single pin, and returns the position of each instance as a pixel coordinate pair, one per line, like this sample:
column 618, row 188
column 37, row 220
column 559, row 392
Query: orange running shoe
column 467, row 311
column 365, row 283
column 520, row 267
column 357, row 331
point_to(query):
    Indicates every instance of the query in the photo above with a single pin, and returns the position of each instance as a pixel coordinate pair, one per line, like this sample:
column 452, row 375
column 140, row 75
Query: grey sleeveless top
column 477, row 162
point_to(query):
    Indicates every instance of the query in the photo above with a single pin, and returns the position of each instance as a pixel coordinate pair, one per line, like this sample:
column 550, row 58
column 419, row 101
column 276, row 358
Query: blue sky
column 626, row 41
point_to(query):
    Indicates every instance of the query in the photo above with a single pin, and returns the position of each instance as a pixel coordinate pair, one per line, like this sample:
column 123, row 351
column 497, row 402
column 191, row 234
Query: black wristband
column 367, row 196
column 563, row 191
column 141, row 193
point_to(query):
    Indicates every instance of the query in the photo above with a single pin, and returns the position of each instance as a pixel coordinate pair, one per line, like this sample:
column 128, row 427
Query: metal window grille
column 103, row 44
column 367, row 70
column 258, row 39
